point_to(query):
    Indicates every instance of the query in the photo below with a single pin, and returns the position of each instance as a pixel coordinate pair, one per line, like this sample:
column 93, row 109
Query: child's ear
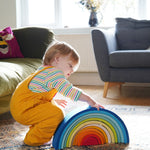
column 56, row 59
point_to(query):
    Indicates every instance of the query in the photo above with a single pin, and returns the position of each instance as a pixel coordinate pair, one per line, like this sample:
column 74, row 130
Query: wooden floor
column 127, row 95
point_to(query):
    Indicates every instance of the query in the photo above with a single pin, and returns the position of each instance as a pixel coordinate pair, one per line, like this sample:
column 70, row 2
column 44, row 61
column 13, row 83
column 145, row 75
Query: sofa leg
column 110, row 84
column 106, row 86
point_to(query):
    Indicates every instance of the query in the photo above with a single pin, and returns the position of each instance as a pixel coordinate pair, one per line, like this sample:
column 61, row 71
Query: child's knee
column 60, row 114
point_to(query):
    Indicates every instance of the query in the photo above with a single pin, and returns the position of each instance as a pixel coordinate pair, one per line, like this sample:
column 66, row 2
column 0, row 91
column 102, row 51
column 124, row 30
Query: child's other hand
column 98, row 106
column 61, row 102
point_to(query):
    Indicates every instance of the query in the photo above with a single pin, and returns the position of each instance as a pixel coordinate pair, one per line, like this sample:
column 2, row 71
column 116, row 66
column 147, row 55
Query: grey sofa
column 33, row 42
column 122, row 53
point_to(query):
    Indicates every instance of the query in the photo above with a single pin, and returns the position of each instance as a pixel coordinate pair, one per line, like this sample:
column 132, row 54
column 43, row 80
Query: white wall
column 83, row 44
column 8, row 13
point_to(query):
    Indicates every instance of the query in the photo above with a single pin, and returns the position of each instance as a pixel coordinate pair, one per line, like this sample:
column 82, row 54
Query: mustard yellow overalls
column 36, row 110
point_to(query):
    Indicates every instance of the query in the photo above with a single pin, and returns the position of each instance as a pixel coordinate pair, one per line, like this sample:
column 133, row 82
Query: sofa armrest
column 104, row 43
column 33, row 41
column 110, row 39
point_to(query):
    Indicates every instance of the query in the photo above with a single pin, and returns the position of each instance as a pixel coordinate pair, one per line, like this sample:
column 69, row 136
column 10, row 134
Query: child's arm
column 89, row 100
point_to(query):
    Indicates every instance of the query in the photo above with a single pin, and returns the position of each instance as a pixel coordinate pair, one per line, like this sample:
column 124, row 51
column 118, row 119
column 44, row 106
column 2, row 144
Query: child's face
column 65, row 64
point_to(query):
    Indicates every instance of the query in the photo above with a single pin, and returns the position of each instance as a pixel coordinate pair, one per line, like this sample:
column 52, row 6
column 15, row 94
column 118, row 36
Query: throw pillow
column 9, row 47
column 132, row 34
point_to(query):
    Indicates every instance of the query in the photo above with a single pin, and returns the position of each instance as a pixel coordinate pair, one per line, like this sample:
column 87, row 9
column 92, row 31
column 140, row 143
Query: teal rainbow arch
column 90, row 127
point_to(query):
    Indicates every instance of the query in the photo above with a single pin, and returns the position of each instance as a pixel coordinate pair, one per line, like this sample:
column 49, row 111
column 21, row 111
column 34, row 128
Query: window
column 37, row 12
column 147, row 9
column 69, row 13
column 41, row 12
column 118, row 8
column 73, row 15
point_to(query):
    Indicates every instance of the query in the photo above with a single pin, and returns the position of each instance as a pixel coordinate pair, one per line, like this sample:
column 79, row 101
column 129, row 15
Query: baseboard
column 137, row 84
column 92, row 78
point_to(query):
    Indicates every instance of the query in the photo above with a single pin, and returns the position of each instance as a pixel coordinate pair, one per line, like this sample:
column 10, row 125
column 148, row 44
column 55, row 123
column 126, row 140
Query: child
column 31, row 103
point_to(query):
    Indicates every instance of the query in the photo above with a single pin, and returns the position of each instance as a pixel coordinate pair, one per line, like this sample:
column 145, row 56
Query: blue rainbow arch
column 90, row 127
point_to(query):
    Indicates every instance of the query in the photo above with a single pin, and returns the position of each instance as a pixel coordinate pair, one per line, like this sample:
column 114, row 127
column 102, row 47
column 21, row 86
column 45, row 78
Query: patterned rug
column 136, row 118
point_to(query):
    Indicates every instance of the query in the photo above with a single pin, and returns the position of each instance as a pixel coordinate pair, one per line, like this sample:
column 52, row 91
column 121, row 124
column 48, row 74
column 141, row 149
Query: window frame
column 23, row 20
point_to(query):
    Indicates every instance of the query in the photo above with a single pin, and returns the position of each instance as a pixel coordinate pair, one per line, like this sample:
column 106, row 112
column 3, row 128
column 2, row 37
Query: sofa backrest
column 33, row 41
column 132, row 34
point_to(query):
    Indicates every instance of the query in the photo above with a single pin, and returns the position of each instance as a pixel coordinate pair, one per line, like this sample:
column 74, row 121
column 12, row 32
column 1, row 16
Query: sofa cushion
column 130, row 59
column 33, row 41
column 13, row 71
column 132, row 34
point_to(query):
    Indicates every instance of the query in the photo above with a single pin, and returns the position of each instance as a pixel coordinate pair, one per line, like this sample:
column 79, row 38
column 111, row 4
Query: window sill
column 65, row 31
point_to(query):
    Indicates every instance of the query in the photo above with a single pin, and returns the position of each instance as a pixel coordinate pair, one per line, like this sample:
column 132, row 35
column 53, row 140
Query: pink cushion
column 9, row 47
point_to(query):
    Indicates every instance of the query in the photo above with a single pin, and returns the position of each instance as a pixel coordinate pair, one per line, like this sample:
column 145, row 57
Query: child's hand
column 98, row 106
column 90, row 101
column 61, row 102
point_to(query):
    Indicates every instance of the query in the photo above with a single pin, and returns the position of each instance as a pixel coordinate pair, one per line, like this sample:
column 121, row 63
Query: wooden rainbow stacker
column 90, row 127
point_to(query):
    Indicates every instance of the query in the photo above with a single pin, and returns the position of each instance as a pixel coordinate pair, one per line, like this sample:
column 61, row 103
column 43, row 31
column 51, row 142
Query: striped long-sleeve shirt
column 53, row 78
